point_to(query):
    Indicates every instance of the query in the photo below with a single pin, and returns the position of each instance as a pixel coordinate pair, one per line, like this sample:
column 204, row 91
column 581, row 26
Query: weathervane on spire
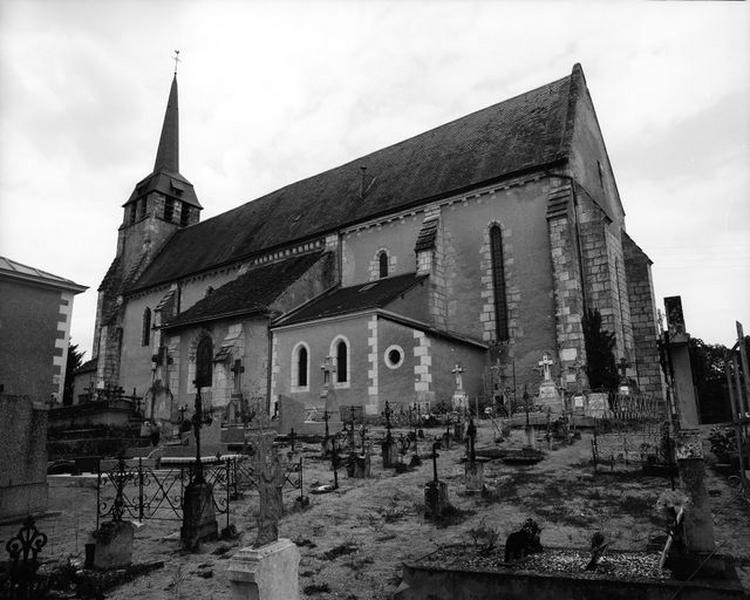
column 176, row 59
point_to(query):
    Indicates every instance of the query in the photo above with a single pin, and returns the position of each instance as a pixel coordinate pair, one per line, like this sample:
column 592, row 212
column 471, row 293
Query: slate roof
column 517, row 135
column 363, row 296
column 16, row 270
column 250, row 293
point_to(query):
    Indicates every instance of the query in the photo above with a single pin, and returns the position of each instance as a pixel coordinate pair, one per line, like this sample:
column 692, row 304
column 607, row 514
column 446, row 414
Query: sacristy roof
column 517, row 135
column 16, row 270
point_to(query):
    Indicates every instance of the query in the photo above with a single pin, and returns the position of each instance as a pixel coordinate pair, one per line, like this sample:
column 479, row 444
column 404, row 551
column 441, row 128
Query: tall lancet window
column 204, row 368
column 146, row 332
column 301, row 367
column 383, row 264
column 342, row 361
column 498, row 283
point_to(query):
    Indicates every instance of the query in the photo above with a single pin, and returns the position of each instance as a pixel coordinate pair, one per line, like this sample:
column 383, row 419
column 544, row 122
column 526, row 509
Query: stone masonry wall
column 604, row 273
column 568, row 288
column 643, row 313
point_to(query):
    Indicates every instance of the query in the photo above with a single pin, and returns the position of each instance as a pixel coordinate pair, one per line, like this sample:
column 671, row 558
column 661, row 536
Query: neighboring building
column 481, row 242
column 35, row 312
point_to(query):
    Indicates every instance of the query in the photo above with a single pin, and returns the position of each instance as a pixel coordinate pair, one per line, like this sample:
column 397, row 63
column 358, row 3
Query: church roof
column 356, row 298
column 509, row 138
column 250, row 293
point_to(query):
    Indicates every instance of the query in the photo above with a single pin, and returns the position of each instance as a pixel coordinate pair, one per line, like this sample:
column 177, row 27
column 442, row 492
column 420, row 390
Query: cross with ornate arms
column 176, row 59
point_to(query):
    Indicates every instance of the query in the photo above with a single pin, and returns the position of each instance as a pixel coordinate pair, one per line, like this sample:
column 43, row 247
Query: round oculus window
column 394, row 356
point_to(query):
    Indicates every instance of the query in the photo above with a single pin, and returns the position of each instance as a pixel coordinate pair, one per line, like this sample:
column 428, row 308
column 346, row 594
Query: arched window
column 204, row 366
column 300, row 367
column 342, row 361
column 146, row 331
column 383, row 264
column 498, row 283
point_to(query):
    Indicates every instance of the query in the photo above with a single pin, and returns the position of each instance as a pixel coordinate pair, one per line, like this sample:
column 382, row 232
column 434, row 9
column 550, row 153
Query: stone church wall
column 643, row 311
column 445, row 355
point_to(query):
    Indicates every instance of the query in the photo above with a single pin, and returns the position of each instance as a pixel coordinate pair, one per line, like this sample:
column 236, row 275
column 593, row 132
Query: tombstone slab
column 390, row 454
column 435, row 499
column 268, row 572
column 198, row 516
column 113, row 545
column 474, row 476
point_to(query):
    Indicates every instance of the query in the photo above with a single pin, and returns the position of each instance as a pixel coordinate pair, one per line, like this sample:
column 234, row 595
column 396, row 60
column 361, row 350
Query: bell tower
column 161, row 203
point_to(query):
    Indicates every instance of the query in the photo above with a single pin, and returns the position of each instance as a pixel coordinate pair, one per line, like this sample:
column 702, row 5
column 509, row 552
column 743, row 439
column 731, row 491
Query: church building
column 445, row 261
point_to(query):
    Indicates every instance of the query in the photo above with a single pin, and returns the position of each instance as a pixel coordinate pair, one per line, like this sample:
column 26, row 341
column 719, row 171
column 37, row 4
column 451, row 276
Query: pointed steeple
column 168, row 153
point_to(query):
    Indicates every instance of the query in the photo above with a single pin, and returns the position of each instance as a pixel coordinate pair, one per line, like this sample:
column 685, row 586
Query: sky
column 271, row 93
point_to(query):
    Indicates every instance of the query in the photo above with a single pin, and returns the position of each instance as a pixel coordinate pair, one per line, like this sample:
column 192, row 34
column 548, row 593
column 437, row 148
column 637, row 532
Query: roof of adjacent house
column 363, row 296
column 16, row 270
column 506, row 139
column 250, row 293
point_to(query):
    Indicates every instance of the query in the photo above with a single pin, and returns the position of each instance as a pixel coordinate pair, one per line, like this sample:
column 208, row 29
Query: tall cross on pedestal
column 457, row 370
column 238, row 370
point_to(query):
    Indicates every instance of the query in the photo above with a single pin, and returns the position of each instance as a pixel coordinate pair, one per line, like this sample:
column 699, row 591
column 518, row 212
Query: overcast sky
column 274, row 92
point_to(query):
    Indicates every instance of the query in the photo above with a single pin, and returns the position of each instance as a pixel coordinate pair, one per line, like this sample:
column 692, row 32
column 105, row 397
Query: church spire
column 168, row 153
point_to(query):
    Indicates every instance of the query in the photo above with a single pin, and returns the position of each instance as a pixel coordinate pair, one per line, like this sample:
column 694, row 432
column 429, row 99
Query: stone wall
column 23, row 448
column 643, row 314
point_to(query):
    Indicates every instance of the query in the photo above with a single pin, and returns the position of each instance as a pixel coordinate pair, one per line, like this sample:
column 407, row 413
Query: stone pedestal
column 390, row 454
column 474, row 476
column 435, row 499
column 269, row 572
column 530, row 436
column 460, row 401
column 698, row 524
column 359, row 466
column 113, row 547
column 549, row 398
column 458, row 432
column 198, row 516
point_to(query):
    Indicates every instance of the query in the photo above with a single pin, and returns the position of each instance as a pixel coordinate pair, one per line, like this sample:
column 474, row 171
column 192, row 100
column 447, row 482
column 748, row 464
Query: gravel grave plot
column 354, row 540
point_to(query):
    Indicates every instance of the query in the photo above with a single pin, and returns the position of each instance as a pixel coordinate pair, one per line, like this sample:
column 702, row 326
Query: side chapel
column 476, row 246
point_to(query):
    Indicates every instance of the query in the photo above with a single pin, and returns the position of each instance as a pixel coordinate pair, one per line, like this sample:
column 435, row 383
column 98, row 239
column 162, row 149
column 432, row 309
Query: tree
column 75, row 360
column 600, row 360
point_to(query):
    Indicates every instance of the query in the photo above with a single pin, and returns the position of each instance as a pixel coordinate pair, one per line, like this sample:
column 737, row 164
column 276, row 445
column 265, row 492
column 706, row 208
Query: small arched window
column 146, row 331
column 342, row 362
column 204, row 367
column 383, row 264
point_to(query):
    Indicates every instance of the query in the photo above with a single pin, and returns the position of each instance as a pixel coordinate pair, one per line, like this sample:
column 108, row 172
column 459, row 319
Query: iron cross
column 176, row 59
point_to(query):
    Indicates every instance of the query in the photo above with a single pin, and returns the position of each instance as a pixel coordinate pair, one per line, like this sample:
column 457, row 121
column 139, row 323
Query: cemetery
column 611, row 497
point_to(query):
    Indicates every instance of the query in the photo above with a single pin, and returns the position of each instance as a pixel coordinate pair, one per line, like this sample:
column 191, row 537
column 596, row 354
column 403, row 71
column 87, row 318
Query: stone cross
column 238, row 370
column 545, row 365
column 457, row 370
column 270, row 479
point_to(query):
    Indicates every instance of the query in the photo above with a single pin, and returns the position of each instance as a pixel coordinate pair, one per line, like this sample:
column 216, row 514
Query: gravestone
column 23, row 458
column 597, row 406
column 436, row 503
column 269, row 569
column 549, row 396
column 113, row 545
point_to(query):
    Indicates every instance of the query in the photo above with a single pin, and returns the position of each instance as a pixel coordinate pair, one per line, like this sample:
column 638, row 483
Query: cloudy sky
column 274, row 92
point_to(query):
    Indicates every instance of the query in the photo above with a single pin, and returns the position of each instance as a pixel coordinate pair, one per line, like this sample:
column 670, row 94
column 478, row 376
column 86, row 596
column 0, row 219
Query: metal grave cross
column 434, row 461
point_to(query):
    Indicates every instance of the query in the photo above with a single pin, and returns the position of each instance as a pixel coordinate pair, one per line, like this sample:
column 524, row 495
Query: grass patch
column 340, row 550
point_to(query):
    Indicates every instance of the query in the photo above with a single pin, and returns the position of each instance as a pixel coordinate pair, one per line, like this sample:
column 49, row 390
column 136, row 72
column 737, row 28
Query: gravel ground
column 354, row 540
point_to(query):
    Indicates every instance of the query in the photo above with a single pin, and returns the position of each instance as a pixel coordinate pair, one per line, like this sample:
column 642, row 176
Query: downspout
column 269, row 368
